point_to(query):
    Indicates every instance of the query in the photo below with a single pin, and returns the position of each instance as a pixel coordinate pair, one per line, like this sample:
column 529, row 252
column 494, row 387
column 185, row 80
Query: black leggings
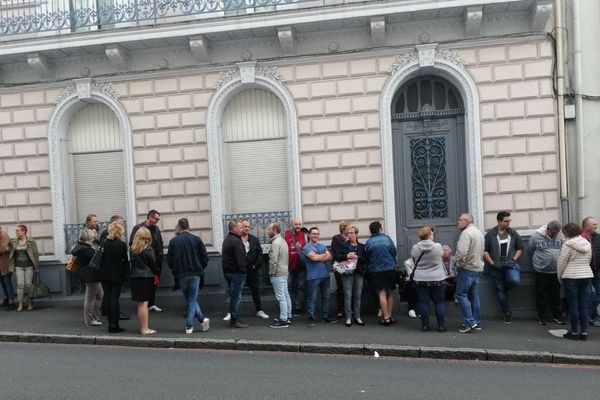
column 112, row 292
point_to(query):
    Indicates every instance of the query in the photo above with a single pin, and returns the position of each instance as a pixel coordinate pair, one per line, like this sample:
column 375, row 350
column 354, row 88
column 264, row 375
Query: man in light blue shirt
column 317, row 276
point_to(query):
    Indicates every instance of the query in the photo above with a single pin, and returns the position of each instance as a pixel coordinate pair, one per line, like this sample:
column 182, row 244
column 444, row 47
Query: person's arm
column 531, row 247
column 202, row 253
column 487, row 246
column 274, row 256
column 253, row 253
column 133, row 231
column 563, row 260
column 462, row 249
column 240, row 256
column 36, row 254
column 170, row 255
column 487, row 258
column 518, row 246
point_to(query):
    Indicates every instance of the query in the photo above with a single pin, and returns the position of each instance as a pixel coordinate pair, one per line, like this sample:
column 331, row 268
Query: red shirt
column 300, row 240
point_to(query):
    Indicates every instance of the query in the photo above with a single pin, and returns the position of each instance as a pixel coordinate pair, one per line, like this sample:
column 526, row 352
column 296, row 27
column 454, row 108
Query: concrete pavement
column 61, row 321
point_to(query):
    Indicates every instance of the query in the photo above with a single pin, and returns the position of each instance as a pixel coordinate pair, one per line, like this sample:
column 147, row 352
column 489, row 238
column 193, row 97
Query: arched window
column 255, row 146
column 96, row 167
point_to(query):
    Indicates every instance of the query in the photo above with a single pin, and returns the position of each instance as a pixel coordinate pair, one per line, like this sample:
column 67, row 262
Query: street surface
column 44, row 371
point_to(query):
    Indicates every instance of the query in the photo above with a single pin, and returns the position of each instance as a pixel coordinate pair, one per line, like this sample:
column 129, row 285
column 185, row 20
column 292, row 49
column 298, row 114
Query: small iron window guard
column 72, row 232
column 260, row 221
column 25, row 16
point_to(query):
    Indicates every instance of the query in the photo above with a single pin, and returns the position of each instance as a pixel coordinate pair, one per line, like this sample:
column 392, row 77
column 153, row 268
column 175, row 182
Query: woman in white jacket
column 576, row 275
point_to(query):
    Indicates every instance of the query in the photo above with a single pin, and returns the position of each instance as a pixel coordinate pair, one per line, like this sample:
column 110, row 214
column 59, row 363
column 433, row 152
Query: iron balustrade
column 64, row 16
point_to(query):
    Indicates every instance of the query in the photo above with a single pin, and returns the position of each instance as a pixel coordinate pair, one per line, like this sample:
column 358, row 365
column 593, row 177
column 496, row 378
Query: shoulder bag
column 38, row 288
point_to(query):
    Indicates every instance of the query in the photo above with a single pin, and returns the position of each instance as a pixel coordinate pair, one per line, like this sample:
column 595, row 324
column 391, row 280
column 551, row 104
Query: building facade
column 409, row 112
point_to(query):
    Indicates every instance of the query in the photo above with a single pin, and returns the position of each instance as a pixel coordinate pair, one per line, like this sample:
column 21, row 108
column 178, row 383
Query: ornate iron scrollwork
column 429, row 178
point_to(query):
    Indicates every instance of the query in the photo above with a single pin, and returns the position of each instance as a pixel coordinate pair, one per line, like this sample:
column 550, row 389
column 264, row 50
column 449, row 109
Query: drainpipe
column 560, row 100
column 578, row 88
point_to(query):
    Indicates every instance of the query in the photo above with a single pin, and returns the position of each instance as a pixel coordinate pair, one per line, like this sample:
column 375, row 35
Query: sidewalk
column 61, row 321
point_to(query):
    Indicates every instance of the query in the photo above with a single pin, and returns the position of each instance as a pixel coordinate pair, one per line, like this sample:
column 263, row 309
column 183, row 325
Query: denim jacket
column 381, row 253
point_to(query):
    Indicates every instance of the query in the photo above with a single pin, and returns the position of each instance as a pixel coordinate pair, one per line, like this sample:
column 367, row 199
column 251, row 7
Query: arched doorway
column 428, row 140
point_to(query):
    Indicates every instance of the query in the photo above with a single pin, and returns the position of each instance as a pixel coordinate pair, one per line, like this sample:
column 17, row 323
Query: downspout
column 560, row 100
column 578, row 89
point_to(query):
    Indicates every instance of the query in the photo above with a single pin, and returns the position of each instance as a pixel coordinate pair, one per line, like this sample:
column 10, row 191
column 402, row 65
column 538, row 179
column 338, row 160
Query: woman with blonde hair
column 92, row 303
column 5, row 272
column 113, row 272
column 143, row 276
column 24, row 259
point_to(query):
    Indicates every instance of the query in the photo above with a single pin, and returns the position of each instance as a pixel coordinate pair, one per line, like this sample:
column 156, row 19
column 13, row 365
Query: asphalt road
column 42, row 371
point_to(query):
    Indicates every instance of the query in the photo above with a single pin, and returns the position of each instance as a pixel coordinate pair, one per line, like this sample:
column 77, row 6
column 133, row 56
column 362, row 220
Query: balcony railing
column 260, row 221
column 64, row 16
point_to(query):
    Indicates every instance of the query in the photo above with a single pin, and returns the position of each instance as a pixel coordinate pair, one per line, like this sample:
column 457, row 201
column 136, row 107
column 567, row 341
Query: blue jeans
column 189, row 286
column 595, row 298
column 323, row 286
column 353, row 284
column 7, row 286
column 577, row 294
column 467, row 293
column 236, row 284
column 282, row 296
column 499, row 278
column 437, row 295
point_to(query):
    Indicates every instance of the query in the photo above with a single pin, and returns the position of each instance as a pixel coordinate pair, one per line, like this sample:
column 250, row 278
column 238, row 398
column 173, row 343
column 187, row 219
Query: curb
column 446, row 353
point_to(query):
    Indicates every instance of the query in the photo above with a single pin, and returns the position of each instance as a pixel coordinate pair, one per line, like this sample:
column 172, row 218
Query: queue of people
column 299, row 270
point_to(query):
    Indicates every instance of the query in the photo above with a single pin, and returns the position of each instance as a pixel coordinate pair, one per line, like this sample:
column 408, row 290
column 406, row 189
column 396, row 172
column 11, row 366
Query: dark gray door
column 429, row 171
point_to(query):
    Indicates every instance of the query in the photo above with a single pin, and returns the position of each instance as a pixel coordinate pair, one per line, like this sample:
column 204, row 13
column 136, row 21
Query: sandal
column 148, row 332
column 359, row 322
column 385, row 322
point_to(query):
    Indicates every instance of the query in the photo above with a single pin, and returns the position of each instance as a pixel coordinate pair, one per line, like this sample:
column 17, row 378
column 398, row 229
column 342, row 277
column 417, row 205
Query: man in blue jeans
column 233, row 261
column 278, row 271
column 469, row 264
column 503, row 247
column 589, row 227
column 317, row 276
column 187, row 259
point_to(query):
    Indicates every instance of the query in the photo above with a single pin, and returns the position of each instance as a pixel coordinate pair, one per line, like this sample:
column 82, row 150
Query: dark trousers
column 409, row 293
column 112, row 292
column 435, row 294
column 253, row 282
column 297, row 288
column 547, row 295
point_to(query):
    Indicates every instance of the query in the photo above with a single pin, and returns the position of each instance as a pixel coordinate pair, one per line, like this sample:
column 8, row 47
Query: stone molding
column 230, row 84
column 69, row 102
column 446, row 64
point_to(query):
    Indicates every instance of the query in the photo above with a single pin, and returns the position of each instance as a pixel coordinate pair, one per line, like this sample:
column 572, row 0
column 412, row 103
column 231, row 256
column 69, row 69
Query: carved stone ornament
column 84, row 88
column 426, row 54
column 232, row 73
column 402, row 60
column 450, row 55
column 247, row 71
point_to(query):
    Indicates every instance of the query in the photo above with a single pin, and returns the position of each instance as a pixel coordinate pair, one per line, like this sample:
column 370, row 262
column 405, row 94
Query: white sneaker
column 379, row 313
column 205, row 325
column 227, row 317
column 262, row 315
column 155, row 308
column 189, row 330
column 412, row 314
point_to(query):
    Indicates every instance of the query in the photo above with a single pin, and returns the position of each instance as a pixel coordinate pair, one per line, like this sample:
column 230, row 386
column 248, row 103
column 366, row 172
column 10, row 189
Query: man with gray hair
column 544, row 249
column 469, row 264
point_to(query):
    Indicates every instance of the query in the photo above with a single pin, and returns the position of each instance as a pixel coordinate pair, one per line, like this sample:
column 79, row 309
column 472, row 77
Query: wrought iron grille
column 260, row 221
column 31, row 16
column 72, row 232
column 429, row 180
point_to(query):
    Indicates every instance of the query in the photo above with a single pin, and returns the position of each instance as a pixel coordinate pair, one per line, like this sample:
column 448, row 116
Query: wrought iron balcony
column 73, row 231
column 64, row 16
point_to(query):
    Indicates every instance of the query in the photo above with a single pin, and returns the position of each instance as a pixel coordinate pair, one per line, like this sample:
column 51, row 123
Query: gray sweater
column 543, row 251
column 278, row 257
column 431, row 266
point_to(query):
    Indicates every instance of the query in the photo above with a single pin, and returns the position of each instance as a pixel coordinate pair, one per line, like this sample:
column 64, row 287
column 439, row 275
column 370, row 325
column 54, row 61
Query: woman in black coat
column 92, row 304
column 144, row 276
column 114, row 269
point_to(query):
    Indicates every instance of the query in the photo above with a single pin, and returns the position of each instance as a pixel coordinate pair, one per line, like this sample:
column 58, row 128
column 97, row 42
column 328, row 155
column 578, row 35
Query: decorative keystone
column 540, row 13
column 117, row 55
column 377, row 31
column 426, row 54
column 473, row 18
column 199, row 47
column 286, row 38
column 247, row 71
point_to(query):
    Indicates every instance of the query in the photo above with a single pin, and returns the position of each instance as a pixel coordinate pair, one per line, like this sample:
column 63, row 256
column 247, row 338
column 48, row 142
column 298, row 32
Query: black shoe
column 297, row 313
column 583, row 336
column 442, row 329
column 541, row 322
column 123, row 317
column 238, row 325
column 330, row 321
column 476, row 327
column 359, row 323
column 348, row 323
column 10, row 307
column 425, row 328
column 279, row 324
column 571, row 335
column 4, row 303
column 115, row 329
column 507, row 318
column 311, row 322
column 465, row 328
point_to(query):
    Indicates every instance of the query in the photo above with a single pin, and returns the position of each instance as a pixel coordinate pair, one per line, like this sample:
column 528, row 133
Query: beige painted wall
column 337, row 103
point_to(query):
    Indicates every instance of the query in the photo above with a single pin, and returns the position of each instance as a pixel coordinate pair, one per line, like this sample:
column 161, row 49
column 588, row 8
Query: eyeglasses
column 506, row 221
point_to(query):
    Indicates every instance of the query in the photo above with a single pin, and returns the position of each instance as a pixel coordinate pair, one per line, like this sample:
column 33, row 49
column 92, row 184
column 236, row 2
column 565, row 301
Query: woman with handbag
column 144, row 276
column 92, row 303
column 5, row 272
column 429, row 276
column 24, row 260
column 114, row 269
column 353, row 250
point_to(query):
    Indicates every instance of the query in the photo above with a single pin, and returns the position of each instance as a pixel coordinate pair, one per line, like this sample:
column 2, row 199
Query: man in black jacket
column 157, row 245
column 253, row 262
column 187, row 259
column 589, row 227
column 233, row 259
